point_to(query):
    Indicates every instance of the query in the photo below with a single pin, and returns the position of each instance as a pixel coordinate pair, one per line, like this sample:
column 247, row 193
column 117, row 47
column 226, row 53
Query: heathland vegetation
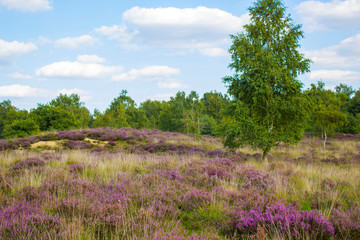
column 105, row 183
column 191, row 167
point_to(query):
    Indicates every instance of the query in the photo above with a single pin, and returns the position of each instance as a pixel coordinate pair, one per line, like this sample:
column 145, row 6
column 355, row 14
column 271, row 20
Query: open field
column 147, row 184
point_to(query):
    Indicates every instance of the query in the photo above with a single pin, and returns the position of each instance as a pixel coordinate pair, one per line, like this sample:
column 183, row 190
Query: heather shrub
column 346, row 223
column 172, row 174
column 76, row 167
column 21, row 142
column 77, row 144
column 284, row 220
column 26, row 221
column 254, row 178
column 28, row 163
column 217, row 171
column 48, row 137
column 48, row 156
column 215, row 153
column 335, row 160
column 245, row 199
column 4, row 145
column 179, row 234
column 194, row 199
column 71, row 135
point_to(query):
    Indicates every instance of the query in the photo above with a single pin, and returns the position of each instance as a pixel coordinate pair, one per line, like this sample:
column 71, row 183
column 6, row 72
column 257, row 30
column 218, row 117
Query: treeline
column 330, row 112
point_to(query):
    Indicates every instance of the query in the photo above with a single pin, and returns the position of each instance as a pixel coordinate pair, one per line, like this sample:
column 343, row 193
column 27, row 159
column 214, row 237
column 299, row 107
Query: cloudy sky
column 153, row 48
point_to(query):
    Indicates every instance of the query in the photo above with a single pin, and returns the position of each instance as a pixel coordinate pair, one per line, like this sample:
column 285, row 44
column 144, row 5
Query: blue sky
column 153, row 48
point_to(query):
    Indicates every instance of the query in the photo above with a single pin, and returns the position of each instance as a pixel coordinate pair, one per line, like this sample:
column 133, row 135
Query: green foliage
column 208, row 125
column 72, row 104
column 172, row 114
column 326, row 115
column 5, row 107
column 52, row 118
column 268, row 106
column 152, row 111
column 214, row 103
column 122, row 112
column 21, row 128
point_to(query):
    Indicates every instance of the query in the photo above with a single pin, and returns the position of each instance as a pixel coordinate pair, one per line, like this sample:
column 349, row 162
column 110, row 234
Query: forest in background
column 329, row 112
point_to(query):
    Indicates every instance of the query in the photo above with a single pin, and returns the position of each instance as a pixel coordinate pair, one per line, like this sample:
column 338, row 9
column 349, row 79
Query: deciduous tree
column 268, row 103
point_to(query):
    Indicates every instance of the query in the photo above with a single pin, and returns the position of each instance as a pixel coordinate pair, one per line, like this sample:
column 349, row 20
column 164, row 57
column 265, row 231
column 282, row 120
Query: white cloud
column 27, row 5
column 84, row 95
column 335, row 14
column 17, row 90
column 76, row 42
column 209, row 20
column 188, row 28
column 334, row 77
column 67, row 69
column 346, row 54
column 171, row 84
column 119, row 33
column 90, row 59
column 18, row 75
column 214, row 52
column 10, row 50
column 151, row 72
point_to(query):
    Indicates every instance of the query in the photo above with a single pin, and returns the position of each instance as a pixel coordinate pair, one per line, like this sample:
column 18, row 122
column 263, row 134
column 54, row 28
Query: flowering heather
column 335, row 160
column 253, row 178
column 25, row 221
column 180, row 149
column 28, row 163
column 347, row 223
column 194, row 199
column 178, row 234
column 71, row 135
column 172, row 175
column 285, row 220
column 21, row 142
column 76, row 167
column 48, row 156
column 217, row 171
column 4, row 144
column 77, row 144
column 163, row 185
column 48, row 137
column 215, row 153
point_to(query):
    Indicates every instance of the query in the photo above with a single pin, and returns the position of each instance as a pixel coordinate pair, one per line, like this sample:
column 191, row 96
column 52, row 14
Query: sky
column 153, row 49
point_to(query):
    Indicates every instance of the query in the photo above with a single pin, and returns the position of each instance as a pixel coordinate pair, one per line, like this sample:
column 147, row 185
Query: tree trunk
column 325, row 137
column 265, row 154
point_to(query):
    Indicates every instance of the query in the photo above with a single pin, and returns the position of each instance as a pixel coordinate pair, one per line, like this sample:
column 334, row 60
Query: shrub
column 71, row 135
column 286, row 221
column 195, row 199
column 25, row 221
column 77, row 144
column 4, row 144
column 28, row 163
column 347, row 223
column 21, row 142
column 254, row 178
